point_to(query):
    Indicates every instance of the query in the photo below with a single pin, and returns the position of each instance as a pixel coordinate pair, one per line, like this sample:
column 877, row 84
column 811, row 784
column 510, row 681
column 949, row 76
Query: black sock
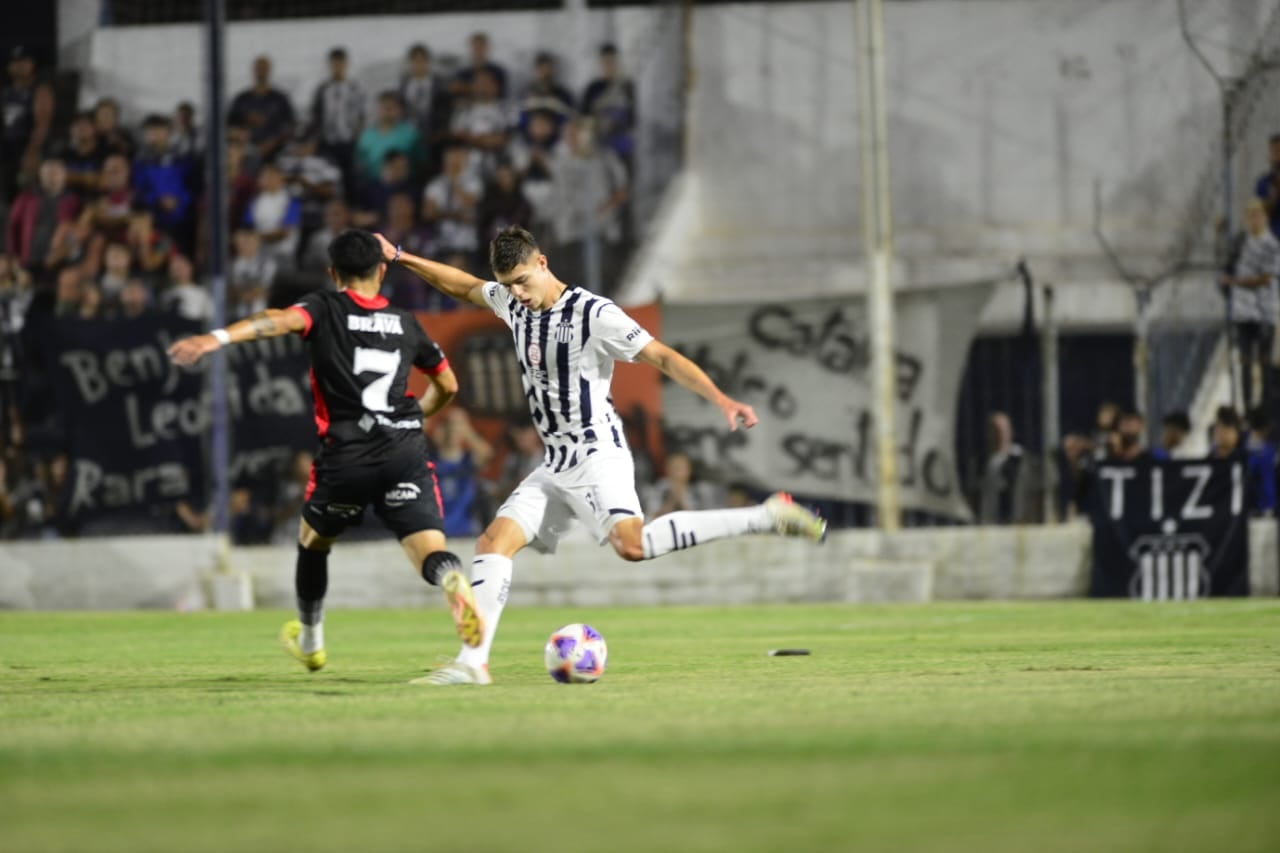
column 311, row 581
column 437, row 563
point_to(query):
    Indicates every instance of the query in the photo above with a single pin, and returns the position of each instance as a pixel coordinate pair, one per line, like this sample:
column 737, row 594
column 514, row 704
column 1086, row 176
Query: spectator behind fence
column 589, row 190
column 402, row 228
column 1122, row 443
column 1262, row 462
column 483, row 124
column 108, row 215
column 264, row 110
column 610, row 99
column 1002, row 497
column 135, row 299
column 149, row 248
column 252, row 272
column 545, row 96
column 27, row 108
column 460, row 454
column 1174, row 428
column 533, row 155
column 679, row 489
column 1267, row 187
column 449, row 204
column 112, row 136
column 1254, row 303
column 460, row 87
column 427, row 103
column 315, row 255
column 389, row 132
column 83, row 156
column 276, row 216
column 37, row 213
column 161, row 179
column 311, row 176
column 524, row 455
column 186, row 140
column 393, row 179
column 502, row 206
column 1226, row 435
column 183, row 296
column 338, row 114
column 117, row 269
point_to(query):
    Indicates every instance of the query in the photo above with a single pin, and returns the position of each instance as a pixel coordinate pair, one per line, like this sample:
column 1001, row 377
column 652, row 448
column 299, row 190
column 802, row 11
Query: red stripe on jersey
column 435, row 484
column 366, row 301
column 438, row 369
column 311, row 483
column 306, row 315
column 321, row 408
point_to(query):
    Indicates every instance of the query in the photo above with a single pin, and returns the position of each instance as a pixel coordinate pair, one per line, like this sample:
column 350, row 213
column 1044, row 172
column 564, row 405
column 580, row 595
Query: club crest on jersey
column 535, row 354
column 383, row 324
column 564, row 332
column 402, row 494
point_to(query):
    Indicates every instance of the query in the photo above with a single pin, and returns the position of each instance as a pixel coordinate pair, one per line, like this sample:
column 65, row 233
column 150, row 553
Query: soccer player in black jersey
column 373, row 450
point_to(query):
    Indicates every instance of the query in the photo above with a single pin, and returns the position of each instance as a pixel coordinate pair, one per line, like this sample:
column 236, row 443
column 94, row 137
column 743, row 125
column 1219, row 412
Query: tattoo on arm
column 263, row 325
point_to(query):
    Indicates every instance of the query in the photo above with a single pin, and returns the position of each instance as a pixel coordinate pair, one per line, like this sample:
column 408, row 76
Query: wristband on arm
column 222, row 336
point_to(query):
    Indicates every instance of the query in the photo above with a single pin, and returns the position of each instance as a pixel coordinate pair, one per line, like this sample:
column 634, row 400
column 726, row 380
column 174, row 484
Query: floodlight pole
column 215, row 159
column 877, row 233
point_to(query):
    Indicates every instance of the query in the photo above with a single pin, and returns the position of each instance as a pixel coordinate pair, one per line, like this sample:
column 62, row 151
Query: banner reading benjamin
column 805, row 367
column 136, row 424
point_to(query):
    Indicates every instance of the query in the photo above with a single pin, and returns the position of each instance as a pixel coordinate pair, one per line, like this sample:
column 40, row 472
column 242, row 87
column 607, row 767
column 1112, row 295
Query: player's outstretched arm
column 450, row 281
column 271, row 323
column 688, row 375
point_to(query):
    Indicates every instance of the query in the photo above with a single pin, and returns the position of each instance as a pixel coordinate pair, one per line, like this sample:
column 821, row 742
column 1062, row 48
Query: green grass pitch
column 1075, row 726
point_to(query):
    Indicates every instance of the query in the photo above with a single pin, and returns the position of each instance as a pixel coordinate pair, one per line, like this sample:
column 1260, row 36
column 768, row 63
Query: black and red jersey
column 362, row 350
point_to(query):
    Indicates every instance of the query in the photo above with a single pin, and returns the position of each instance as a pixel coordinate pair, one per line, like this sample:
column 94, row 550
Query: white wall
column 1002, row 116
column 853, row 566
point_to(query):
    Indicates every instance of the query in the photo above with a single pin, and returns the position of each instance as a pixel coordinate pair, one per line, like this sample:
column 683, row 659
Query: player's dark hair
column 354, row 255
column 511, row 248
column 1177, row 420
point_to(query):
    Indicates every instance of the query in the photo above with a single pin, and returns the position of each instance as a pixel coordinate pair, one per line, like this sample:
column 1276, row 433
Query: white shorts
column 600, row 492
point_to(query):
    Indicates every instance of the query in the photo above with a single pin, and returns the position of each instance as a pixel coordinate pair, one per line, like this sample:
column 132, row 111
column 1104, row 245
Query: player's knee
column 627, row 548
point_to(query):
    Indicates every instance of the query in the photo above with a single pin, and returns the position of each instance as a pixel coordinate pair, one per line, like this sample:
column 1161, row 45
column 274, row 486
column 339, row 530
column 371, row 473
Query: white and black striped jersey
column 566, row 358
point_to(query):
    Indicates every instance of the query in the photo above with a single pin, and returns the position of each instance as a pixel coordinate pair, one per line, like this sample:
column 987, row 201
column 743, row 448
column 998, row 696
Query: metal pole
column 1049, row 405
column 215, row 159
column 877, row 231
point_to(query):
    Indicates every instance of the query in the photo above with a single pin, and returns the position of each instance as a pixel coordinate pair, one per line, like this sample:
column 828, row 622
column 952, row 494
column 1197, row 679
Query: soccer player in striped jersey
column 567, row 340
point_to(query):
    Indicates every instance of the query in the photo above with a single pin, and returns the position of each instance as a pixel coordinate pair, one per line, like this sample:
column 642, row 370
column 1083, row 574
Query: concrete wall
column 1002, row 117
column 854, row 566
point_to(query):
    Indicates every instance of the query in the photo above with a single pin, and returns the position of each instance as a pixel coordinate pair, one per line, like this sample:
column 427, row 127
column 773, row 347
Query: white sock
column 490, row 583
column 680, row 530
column 312, row 638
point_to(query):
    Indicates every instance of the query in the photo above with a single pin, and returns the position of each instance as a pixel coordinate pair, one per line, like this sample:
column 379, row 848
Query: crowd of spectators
column 1009, row 492
column 107, row 218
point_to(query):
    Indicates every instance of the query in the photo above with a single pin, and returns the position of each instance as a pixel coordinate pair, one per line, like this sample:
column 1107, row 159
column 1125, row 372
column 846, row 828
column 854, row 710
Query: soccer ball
column 576, row 654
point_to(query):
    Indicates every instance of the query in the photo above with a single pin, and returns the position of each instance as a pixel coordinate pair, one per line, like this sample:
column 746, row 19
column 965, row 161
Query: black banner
column 137, row 425
column 1170, row 530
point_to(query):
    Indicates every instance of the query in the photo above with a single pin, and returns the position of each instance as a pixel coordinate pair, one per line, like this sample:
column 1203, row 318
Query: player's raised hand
column 190, row 350
column 388, row 250
column 736, row 413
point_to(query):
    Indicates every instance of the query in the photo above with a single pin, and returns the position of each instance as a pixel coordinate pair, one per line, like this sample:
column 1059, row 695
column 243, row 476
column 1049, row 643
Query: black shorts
column 400, row 484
